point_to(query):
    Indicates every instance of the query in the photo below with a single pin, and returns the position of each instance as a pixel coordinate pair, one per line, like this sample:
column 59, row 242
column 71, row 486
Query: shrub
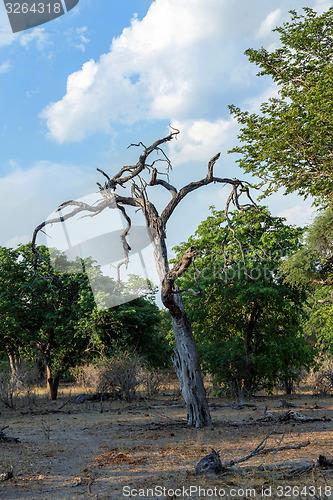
column 154, row 380
column 15, row 385
column 118, row 375
column 321, row 380
column 121, row 374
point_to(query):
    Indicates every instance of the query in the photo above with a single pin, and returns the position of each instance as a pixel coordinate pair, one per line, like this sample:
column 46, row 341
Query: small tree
column 141, row 177
column 55, row 315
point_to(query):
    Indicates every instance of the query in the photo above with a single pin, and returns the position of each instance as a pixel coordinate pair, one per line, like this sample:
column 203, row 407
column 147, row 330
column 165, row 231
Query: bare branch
column 125, row 244
column 211, row 164
column 262, row 450
column 105, row 175
column 154, row 181
column 192, row 186
column 141, row 164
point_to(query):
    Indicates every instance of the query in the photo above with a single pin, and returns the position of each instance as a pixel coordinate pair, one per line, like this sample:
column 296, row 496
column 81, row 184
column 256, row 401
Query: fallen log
column 295, row 416
column 290, row 416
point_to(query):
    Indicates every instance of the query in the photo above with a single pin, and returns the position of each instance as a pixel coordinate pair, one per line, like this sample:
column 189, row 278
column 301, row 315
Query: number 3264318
column 35, row 8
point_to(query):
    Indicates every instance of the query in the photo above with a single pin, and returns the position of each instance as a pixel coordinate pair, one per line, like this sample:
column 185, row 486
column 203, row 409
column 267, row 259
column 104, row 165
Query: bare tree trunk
column 15, row 367
column 15, row 364
column 52, row 384
column 186, row 358
column 186, row 361
column 40, row 369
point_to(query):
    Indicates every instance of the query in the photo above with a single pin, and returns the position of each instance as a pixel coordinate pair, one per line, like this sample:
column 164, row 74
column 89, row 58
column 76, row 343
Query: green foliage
column 246, row 320
column 135, row 326
column 56, row 314
column 289, row 144
column 314, row 261
column 13, row 276
column 312, row 268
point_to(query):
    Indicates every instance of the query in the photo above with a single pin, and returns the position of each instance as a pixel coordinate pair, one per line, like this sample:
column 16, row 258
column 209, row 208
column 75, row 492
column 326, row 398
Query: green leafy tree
column 14, row 332
column 133, row 327
column 56, row 316
column 247, row 321
column 312, row 268
column 289, row 144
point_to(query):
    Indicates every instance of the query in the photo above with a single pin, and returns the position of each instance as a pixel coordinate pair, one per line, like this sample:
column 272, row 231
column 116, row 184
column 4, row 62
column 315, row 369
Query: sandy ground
column 77, row 452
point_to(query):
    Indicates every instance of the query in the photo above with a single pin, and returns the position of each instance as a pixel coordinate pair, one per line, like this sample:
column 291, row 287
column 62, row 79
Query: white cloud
column 5, row 67
column 77, row 37
column 201, row 139
column 39, row 35
column 177, row 63
column 299, row 215
column 18, row 240
column 322, row 5
column 269, row 23
column 83, row 40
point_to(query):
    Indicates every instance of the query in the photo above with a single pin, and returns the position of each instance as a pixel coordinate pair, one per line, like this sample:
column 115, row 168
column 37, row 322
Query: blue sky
column 75, row 92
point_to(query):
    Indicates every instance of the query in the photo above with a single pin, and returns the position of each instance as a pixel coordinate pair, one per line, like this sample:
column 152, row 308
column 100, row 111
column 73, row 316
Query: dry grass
column 144, row 444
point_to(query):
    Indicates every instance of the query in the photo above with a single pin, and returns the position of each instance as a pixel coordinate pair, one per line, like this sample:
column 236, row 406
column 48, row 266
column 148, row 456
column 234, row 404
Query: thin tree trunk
column 52, row 384
column 40, row 369
column 15, row 368
column 249, row 345
column 15, row 364
column 288, row 385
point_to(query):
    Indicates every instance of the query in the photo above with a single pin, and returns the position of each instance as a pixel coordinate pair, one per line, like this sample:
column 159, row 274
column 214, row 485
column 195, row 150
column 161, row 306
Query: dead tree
column 141, row 177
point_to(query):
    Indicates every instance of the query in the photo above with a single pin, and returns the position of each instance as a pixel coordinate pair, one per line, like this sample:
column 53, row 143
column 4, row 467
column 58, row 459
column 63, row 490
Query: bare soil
column 77, row 452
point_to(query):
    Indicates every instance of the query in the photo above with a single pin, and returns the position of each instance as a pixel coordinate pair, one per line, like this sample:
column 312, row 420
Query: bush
column 121, row 374
column 118, row 376
column 15, row 385
column 88, row 376
column 321, row 380
column 154, row 380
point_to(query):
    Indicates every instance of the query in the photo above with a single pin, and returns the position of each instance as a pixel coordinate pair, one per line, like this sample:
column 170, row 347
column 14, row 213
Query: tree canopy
column 289, row 143
column 247, row 320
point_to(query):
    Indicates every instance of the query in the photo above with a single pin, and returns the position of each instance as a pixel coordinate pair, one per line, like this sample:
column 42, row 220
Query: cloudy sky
column 75, row 92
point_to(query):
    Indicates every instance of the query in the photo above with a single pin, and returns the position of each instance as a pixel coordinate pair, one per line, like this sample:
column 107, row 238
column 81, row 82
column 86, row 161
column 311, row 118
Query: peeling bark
column 186, row 361
column 186, row 357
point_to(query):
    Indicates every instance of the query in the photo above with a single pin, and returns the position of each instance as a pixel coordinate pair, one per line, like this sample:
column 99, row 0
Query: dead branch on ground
column 212, row 464
column 290, row 416
column 262, row 450
column 5, row 438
